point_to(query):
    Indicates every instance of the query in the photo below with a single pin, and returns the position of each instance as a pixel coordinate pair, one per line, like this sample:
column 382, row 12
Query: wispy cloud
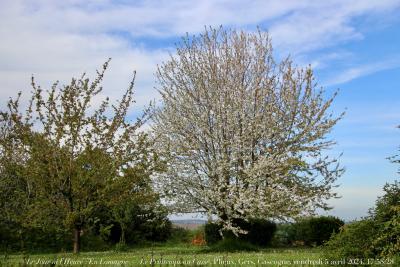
column 363, row 70
column 325, row 23
column 57, row 39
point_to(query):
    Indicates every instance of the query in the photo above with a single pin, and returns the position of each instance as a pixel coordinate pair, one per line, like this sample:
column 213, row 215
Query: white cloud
column 59, row 39
column 324, row 23
column 363, row 70
column 58, row 55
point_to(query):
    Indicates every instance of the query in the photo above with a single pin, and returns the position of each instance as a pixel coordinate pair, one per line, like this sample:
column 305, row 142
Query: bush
column 315, row 231
column 212, row 233
column 387, row 215
column 92, row 242
column 385, row 205
column 154, row 226
column 47, row 239
column 179, row 235
column 387, row 242
column 284, row 235
column 157, row 230
column 376, row 236
column 10, row 235
column 353, row 241
column 259, row 232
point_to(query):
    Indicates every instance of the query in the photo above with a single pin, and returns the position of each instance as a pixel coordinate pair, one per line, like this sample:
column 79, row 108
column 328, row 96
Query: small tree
column 70, row 152
column 377, row 235
column 244, row 135
column 386, row 214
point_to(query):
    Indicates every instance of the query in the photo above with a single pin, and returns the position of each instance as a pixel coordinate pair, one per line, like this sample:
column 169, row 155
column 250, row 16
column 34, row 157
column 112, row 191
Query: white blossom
column 244, row 135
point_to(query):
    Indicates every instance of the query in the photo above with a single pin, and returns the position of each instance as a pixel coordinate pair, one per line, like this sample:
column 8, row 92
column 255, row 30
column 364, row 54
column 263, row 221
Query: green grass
column 171, row 255
column 174, row 255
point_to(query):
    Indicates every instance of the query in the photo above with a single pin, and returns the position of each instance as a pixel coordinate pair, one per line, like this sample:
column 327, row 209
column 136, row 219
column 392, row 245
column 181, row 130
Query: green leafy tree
column 131, row 199
column 315, row 231
column 385, row 206
column 64, row 156
column 388, row 239
column 353, row 241
column 378, row 235
column 387, row 214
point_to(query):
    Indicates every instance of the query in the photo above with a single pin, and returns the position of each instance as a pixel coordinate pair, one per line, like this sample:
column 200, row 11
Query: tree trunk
column 77, row 239
column 122, row 238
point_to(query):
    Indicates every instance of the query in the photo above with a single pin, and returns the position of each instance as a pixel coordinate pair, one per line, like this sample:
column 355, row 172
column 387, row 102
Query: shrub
column 385, row 205
column 92, row 242
column 284, row 235
column 158, row 230
column 316, row 230
column 353, row 241
column 179, row 235
column 387, row 242
column 259, row 232
column 40, row 239
column 140, row 229
column 212, row 233
column 376, row 236
column 387, row 215
column 10, row 235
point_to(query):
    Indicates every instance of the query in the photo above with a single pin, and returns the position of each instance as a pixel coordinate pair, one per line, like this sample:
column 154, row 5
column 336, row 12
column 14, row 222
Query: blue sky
column 353, row 46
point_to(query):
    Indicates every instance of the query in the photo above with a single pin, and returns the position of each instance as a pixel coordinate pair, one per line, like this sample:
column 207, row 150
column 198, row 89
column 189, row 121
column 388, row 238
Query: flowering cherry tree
column 244, row 135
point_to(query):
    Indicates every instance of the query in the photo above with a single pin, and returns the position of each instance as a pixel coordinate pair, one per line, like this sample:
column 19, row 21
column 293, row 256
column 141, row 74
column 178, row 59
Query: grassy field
column 182, row 255
column 177, row 255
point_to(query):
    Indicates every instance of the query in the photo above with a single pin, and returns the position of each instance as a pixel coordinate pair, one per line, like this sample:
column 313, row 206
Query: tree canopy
column 66, row 156
column 244, row 135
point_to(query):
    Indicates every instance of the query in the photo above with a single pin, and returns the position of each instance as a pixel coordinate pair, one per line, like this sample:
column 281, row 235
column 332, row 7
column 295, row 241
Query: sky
column 353, row 47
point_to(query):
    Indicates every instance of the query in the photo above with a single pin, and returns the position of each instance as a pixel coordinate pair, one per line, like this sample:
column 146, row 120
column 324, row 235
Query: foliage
column 284, row 235
column 376, row 236
column 152, row 226
column 66, row 156
column 179, row 235
column 137, row 213
column 212, row 233
column 353, row 241
column 387, row 214
column 15, row 237
column 316, row 230
column 92, row 242
column 385, row 206
column 387, row 241
column 258, row 232
column 242, row 134
column 9, row 235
